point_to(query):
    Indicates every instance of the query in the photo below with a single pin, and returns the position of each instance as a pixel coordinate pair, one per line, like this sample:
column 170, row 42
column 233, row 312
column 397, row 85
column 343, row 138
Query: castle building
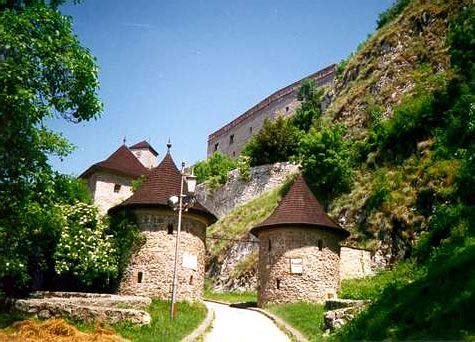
column 110, row 181
column 150, row 270
column 231, row 138
column 299, row 250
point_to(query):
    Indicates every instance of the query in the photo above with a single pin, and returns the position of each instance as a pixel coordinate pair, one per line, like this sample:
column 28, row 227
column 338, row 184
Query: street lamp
column 181, row 203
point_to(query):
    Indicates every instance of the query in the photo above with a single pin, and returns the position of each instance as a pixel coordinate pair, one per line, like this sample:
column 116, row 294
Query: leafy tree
column 311, row 106
column 214, row 169
column 277, row 141
column 325, row 159
column 44, row 73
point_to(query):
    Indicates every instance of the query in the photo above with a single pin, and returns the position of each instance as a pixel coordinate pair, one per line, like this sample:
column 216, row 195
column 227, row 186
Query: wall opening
column 216, row 147
column 287, row 108
column 320, row 245
column 250, row 129
column 117, row 187
column 231, row 139
column 191, row 280
column 269, row 246
column 277, row 284
column 139, row 277
column 170, row 228
column 234, row 154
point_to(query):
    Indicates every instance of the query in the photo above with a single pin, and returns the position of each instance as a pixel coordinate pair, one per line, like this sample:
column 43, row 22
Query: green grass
column 305, row 317
column 7, row 318
column 189, row 316
column 231, row 297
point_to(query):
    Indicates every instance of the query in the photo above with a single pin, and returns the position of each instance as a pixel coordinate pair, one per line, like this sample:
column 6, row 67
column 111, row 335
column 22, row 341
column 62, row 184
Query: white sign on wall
column 190, row 261
column 296, row 266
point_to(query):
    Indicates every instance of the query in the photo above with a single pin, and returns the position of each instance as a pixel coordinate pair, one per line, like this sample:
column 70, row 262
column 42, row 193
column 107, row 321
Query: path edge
column 202, row 328
column 294, row 334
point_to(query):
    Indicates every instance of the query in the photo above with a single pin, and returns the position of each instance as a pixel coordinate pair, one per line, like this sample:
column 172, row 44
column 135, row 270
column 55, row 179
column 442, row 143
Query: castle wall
column 355, row 263
column 146, row 157
column 103, row 189
column 279, row 282
column 155, row 259
column 231, row 138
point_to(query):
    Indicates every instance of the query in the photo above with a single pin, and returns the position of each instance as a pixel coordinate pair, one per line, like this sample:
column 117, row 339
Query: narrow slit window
column 320, row 245
column 116, row 187
column 231, row 139
column 191, row 280
column 170, row 228
column 250, row 129
column 216, row 147
column 269, row 245
column 139, row 277
column 278, row 284
column 287, row 109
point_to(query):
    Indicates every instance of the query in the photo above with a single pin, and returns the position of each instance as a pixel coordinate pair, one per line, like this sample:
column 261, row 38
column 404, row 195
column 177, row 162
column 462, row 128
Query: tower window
column 269, row 247
column 320, row 245
column 278, row 284
column 250, row 129
column 216, row 146
column 139, row 277
column 170, row 228
column 287, row 108
column 191, row 280
column 231, row 139
column 234, row 154
column 117, row 187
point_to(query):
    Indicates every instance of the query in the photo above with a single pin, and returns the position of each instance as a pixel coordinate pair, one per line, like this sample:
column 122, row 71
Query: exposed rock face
column 341, row 311
column 237, row 191
column 87, row 307
column 355, row 263
column 150, row 270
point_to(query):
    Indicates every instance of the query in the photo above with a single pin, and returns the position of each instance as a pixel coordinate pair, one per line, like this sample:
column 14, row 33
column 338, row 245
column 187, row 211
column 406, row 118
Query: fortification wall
column 235, row 192
column 355, row 263
column 231, row 138
column 280, row 248
column 150, row 271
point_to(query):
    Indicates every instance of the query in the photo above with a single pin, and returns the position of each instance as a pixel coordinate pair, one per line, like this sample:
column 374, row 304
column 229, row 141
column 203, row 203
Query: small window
column 278, row 284
column 116, row 187
column 216, row 147
column 234, row 154
column 231, row 139
column 320, row 245
column 269, row 245
column 250, row 129
column 191, row 280
column 170, row 228
column 287, row 108
column 139, row 277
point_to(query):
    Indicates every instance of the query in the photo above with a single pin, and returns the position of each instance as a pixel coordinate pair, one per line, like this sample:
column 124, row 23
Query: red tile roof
column 160, row 184
column 300, row 207
column 144, row 145
column 122, row 161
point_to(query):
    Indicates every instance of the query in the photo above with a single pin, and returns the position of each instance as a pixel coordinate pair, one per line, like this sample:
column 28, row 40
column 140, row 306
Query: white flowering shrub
column 84, row 249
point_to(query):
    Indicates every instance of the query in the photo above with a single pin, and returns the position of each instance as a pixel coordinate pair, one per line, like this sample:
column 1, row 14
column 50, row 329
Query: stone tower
column 145, row 153
column 299, row 247
column 150, row 271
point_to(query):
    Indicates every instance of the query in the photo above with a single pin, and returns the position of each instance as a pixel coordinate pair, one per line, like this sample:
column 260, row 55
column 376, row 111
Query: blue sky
column 182, row 69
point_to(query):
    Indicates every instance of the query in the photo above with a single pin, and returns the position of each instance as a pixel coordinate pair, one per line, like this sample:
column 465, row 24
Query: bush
column 310, row 108
column 277, row 141
column 391, row 13
column 215, row 169
column 325, row 158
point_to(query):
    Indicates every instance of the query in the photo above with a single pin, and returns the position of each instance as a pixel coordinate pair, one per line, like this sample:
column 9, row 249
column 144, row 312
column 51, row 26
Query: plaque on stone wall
column 296, row 266
column 190, row 261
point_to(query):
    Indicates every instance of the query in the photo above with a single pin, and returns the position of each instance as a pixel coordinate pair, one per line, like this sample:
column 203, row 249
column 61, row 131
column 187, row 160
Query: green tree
column 44, row 73
column 311, row 106
column 215, row 169
column 277, row 141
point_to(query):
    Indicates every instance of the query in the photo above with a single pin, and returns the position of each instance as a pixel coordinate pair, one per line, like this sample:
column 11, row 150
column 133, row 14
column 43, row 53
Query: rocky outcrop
column 237, row 191
column 341, row 311
column 88, row 307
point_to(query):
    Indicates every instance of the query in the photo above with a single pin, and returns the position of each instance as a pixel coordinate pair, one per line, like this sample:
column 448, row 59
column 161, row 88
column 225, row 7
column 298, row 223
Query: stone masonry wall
column 355, row 263
column 320, row 275
column 236, row 192
column 155, row 259
column 102, row 185
column 146, row 157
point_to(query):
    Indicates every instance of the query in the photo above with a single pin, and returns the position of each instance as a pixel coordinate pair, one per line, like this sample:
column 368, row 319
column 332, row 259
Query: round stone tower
column 150, row 270
column 299, row 247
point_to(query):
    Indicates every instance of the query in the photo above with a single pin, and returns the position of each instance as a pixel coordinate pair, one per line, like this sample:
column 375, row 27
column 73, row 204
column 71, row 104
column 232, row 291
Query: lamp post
column 181, row 203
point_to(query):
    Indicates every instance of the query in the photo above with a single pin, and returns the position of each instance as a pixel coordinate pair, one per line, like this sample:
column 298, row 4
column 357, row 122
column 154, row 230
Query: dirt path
column 233, row 324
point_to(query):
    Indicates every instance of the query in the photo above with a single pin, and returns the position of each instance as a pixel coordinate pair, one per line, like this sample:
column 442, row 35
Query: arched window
column 320, row 245
column 170, row 228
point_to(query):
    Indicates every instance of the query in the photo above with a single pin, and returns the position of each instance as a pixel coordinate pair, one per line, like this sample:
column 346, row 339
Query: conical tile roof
column 300, row 207
column 121, row 161
column 160, row 184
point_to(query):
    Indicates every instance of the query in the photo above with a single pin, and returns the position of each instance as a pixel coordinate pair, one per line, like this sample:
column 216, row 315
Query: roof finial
column 124, row 140
column 169, row 145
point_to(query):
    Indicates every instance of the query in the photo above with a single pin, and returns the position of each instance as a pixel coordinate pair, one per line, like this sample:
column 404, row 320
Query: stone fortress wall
column 315, row 250
column 231, row 138
column 150, row 270
column 108, row 190
column 355, row 263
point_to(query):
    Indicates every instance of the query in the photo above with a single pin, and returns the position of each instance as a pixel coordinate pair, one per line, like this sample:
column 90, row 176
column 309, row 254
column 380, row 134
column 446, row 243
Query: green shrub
column 215, row 169
column 391, row 13
column 311, row 107
column 277, row 141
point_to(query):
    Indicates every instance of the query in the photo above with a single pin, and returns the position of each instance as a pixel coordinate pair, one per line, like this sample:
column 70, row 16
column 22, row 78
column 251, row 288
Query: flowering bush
column 84, row 249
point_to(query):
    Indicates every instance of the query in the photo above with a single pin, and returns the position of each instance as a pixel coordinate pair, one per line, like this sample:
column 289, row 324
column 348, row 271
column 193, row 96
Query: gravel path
column 233, row 324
